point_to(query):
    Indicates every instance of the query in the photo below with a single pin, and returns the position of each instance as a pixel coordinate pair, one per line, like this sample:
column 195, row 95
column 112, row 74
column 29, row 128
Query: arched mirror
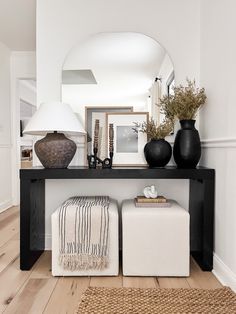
column 116, row 72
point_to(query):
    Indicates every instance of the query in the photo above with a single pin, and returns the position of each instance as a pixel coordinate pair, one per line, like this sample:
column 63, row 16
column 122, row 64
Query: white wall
column 61, row 25
column 23, row 66
column 5, row 129
column 28, row 92
column 218, row 127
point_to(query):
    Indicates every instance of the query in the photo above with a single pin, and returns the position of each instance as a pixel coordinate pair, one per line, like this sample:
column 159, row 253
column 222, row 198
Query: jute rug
column 157, row 301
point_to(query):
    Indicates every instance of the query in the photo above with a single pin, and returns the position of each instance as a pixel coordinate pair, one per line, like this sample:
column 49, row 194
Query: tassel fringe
column 83, row 262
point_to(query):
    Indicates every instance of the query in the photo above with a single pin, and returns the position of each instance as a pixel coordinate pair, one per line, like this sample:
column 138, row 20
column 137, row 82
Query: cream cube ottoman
column 113, row 267
column 155, row 240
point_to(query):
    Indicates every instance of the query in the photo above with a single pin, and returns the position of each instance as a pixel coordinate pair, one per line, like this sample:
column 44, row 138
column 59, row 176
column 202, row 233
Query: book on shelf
column 151, row 204
column 158, row 199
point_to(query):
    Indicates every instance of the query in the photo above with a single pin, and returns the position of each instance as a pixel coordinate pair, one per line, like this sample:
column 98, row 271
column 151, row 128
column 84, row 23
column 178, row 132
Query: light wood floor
column 36, row 291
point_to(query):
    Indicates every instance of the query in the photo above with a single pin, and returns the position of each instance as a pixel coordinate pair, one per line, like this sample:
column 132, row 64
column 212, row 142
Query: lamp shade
column 54, row 116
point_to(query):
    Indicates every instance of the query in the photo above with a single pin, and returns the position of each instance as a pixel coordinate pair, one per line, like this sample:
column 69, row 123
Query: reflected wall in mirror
column 117, row 69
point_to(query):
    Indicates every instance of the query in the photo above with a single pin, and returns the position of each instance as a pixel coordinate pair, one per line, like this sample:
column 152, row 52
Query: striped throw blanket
column 83, row 233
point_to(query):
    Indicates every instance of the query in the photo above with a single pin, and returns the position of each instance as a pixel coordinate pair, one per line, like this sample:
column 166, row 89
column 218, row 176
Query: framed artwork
column 128, row 145
column 99, row 112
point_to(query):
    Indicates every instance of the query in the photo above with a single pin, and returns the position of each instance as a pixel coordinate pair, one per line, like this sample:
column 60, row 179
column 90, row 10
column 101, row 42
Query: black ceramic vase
column 157, row 153
column 187, row 145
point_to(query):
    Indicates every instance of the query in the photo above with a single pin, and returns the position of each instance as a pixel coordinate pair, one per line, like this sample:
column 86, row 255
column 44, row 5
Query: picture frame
column 99, row 112
column 128, row 144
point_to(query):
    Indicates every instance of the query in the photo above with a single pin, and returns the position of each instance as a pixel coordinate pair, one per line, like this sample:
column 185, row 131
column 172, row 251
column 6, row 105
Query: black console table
column 32, row 205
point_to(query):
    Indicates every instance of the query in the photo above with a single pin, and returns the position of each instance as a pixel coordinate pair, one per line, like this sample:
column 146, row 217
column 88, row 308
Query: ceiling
column 124, row 66
column 78, row 77
column 17, row 24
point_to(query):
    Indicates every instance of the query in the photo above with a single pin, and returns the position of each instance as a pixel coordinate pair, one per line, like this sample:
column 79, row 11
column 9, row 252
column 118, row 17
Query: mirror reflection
column 116, row 72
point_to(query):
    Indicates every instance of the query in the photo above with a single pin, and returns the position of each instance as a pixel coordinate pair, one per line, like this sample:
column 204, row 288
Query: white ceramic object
column 150, row 191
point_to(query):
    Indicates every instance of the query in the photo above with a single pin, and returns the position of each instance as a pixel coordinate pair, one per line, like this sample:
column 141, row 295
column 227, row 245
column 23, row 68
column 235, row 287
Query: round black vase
column 157, row 153
column 187, row 145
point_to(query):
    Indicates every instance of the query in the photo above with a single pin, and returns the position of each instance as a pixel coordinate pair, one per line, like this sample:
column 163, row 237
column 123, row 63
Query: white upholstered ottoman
column 155, row 240
column 113, row 267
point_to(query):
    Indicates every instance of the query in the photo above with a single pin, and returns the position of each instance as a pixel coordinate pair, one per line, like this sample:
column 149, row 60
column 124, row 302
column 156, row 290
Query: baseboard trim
column 5, row 205
column 229, row 142
column 223, row 273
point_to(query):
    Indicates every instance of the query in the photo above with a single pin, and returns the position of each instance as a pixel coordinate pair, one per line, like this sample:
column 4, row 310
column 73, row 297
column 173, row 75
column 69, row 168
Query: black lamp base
column 55, row 150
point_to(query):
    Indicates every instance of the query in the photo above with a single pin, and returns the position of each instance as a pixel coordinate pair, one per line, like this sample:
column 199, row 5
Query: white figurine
column 150, row 191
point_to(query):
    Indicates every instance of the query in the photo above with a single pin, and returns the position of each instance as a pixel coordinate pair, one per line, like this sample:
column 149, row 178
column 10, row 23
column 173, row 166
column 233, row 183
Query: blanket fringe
column 83, row 262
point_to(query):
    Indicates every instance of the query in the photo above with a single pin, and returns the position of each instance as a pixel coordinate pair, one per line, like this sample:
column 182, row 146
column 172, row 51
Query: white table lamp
column 54, row 119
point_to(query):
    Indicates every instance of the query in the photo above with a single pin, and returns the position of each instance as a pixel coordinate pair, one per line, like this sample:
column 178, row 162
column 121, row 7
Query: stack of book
column 159, row 201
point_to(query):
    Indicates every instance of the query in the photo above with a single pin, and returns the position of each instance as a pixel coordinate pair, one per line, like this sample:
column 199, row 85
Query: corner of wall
column 224, row 274
column 5, row 205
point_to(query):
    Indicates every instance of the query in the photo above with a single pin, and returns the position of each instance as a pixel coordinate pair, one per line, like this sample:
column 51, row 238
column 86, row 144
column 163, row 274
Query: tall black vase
column 157, row 153
column 187, row 145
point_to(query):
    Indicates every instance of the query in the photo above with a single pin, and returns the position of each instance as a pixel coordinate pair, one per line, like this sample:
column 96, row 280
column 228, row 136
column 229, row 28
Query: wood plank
column 8, row 220
column 33, row 298
column 193, row 279
column 9, row 230
column 18, row 280
column 10, row 212
column 140, row 282
column 42, row 268
column 36, row 291
column 111, row 282
column 200, row 279
column 72, row 288
column 11, row 280
column 9, row 252
column 66, row 295
column 16, row 237
column 173, row 282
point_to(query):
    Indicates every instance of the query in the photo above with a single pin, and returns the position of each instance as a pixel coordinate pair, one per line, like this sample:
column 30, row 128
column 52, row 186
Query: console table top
column 169, row 172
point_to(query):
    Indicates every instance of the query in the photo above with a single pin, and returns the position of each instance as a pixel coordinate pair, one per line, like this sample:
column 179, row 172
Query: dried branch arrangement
column 185, row 102
column 153, row 131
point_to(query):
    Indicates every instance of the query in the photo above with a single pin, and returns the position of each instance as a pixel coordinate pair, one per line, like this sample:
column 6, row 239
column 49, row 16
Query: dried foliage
column 153, row 131
column 185, row 102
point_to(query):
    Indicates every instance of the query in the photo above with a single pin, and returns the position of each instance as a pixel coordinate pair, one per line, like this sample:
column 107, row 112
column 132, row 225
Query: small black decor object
column 157, row 153
column 93, row 160
column 187, row 145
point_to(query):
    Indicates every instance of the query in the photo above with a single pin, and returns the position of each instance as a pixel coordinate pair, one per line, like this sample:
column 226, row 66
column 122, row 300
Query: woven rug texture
column 157, row 301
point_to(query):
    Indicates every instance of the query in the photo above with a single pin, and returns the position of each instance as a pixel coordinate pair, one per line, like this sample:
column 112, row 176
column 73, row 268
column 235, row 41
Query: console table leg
column 32, row 221
column 201, row 208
